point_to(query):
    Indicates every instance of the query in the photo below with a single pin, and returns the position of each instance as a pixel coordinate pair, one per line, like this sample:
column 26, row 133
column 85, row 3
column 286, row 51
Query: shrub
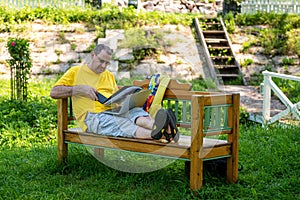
column 293, row 42
column 246, row 46
column 143, row 42
column 290, row 88
column 272, row 40
column 287, row 61
column 20, row 64
column 246, row 62
column 229, row 22
column 23, row 124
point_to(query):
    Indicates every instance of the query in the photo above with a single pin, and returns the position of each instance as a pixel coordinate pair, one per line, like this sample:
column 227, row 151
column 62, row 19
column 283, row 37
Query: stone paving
column 251, row 99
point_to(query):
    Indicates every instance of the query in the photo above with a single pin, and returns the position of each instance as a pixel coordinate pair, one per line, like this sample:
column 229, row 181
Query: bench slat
column 180, row 149
column 184, row 140
column 143, row 146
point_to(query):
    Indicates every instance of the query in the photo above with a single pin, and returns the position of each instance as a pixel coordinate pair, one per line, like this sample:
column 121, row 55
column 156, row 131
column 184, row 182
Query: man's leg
column 143, row 133
column 145, row 122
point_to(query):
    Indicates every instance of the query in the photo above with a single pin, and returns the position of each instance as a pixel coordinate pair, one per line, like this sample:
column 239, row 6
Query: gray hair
column 101, row 47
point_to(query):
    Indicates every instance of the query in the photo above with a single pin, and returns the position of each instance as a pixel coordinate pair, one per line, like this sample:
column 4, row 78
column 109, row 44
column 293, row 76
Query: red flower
column 13, row 44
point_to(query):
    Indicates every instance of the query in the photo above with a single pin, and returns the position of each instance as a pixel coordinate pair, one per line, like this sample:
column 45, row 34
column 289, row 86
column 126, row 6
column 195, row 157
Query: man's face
column 100, row 62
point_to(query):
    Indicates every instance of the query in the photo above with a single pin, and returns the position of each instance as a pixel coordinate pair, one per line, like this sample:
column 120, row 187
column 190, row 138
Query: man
column 82, row 83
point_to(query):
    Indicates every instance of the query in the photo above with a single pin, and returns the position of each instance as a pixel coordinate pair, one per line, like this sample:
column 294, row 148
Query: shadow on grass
column 170, row 181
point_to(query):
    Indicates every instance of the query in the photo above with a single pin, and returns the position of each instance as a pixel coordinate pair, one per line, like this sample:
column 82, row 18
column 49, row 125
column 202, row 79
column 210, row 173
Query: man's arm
column 61, row 91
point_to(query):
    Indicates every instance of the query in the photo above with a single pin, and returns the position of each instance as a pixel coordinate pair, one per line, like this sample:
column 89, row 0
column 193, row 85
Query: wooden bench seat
column 211, row 121
column 178, row 150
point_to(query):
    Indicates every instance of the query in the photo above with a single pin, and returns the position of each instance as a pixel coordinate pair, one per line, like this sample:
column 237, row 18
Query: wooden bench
column 205, row 115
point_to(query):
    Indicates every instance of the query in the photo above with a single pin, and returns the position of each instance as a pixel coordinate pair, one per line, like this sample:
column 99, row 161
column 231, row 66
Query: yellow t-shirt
column 82, row 75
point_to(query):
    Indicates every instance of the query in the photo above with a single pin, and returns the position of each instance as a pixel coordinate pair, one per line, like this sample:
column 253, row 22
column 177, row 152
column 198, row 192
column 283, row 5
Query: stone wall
column 181, row 60
column 180, row 6
column 55, row 48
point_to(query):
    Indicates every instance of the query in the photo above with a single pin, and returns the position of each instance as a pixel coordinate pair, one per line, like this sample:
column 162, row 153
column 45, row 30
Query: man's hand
column 85, row 90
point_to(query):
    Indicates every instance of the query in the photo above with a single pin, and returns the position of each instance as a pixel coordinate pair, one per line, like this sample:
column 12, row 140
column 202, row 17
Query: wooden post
column 267, row 98
column 232, row 162
column 196, row 168
column 62, row 124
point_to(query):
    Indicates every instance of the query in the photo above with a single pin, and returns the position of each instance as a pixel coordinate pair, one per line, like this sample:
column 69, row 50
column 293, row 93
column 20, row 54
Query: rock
column 143, row 69
column 124, row 55
column 121, row 75
column 183, row 6
column 114, row 66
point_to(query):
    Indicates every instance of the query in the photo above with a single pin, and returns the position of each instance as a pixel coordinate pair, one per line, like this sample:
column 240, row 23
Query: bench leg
column 232, row 162
column 232, row 170
column 196, row 174
column 62, row 124
column 99, row 152
column 62, row 153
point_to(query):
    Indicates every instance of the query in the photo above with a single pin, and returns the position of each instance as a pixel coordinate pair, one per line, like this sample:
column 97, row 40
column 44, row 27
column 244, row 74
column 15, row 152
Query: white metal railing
column 269, row 85
column 276, row 6
column 42, row 3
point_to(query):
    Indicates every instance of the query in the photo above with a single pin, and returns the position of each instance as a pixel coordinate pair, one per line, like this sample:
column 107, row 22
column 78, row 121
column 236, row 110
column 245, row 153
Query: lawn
column 268, row 157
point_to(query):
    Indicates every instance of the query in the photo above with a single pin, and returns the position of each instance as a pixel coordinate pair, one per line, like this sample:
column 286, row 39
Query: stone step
column 228, row 75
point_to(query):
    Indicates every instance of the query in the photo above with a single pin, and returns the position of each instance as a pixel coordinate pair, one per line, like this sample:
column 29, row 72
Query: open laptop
column 131, row 101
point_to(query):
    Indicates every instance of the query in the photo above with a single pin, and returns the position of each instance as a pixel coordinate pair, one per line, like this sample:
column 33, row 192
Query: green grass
column 29, row 170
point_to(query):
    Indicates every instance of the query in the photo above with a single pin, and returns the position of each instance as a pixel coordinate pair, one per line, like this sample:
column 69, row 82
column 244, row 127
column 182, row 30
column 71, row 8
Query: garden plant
column 20, row 65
